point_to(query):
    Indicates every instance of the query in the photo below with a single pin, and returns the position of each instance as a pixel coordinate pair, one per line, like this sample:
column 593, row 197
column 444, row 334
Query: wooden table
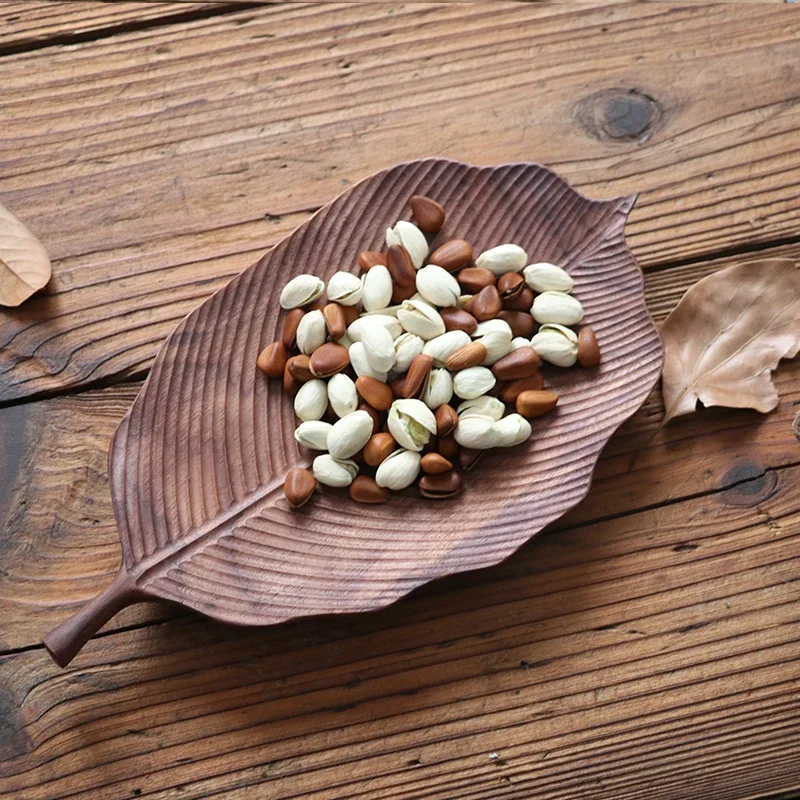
column 645, row 647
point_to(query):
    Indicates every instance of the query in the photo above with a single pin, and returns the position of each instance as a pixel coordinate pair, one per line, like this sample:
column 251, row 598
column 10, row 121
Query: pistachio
column 588, row 350
column 411, row 423
column 407, row 347
column 477, row 433
column 497, row 345
column 446, row 419
column 557, row 307
column 464, row 301
column 492, row 326
column 388, row 311
column 378, row 448
column 374, row 392
column 313, row 434
column 442, row 347
column 441, row 486
column 438, row 286
column 545, row 277
column 365, row 490
column 427, row 212
column 519, row 341
column 456, row 319
column 289, row 335
column 298, row 487
column 356, row 328
column 301, row 291
column 329, row 359
column 412, row 238
column 501, row 259
column 378, row 346
column 311, row 332
column 418, row 317
column 349, row 434
column 345, row 341
column 399, row 470
column 272, row 360
column 514, row 429
column 483, row 406
column 334, row 472
column 534, row 403
column 439, row 388
column 376, row 291
column 452, row 255
column 311, row 400
column 342, row 395
column 556, row 344
column 358, row 359
column 473, row 382
column 344, row 288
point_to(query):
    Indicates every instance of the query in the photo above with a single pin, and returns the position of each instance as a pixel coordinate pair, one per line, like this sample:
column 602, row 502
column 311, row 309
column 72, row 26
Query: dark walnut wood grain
column 197, row 464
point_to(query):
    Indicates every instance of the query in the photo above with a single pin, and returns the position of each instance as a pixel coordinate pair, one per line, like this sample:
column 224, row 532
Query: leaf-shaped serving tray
column 198, row 462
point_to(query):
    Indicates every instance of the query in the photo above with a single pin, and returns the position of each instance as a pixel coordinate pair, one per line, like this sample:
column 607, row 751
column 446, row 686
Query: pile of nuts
column 377, row 367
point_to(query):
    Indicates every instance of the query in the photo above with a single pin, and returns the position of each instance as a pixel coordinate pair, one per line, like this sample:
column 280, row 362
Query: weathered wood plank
column 654, row 655
column 59, row 543
column 28, row 22
column 192, row 140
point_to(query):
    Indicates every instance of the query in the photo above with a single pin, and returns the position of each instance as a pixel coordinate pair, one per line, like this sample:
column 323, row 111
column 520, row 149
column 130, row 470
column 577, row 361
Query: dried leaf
column 727, row 334
column 24, row 263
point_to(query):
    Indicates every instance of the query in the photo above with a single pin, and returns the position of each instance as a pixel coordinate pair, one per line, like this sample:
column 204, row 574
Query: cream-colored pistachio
column 342, row 395
column 514, row 429
column 438, row 388
column 438, row 286
column 545, row 277
column 301, row 291
column 356, row 328
column 442, row 347
column 398, row 470
column 344, row 288
column 359, row 362
column 333, row 471
column 412, row 238
column 557, row 307
column 562, row 329
column 349, row 434
column 503, row 258
column 378, row 347
column 479, row 433
column 520, row 341
column 497, row 344
column 554, row 344
column 345, row 341
column 411, row 423
column 311, row 400
column 311, row 332
column 483, row 406
column 492, row 326
column 473, row 382
column 417, row 316
column 407, row 347
column 389, row 311
column 463, row 300
column 376, row 290
column 313, row 434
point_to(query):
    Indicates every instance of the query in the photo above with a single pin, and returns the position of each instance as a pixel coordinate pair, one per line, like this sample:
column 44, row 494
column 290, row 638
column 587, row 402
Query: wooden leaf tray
column 198, row 462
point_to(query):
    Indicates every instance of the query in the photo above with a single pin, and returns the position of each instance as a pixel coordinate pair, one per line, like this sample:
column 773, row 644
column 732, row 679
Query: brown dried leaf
column 727, row 334
column 24, row 263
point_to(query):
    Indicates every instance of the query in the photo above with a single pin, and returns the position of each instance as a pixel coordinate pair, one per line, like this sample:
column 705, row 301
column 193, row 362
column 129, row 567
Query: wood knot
column 623, row 115
column 751, row 485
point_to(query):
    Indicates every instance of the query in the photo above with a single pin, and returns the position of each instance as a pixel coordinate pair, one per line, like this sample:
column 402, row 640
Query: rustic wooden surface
column 646, row 646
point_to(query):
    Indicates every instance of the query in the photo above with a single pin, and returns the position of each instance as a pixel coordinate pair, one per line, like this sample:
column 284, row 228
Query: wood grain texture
column 197, row 465
column 650, row 656
column 200, row 145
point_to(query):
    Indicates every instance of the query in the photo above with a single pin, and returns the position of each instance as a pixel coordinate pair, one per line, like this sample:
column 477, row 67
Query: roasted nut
column 473, row 279
column 349, row 434
column 398, row 470
column 373, row 412
column 468, row 457
column 520, row 322
column 301, row 291
column 486, row 304
column 533, row 403
column 351, row 314
column 441, row 486
column 369, row 258
column 272, row 360
column 503, row 258
column 446, row 419
column 588, row 349
column 329, row 359
column 400, row 265
column 557, row 307
column 374, row 392
column 544, row 277
column 299, row 486
column 290, row 384
column 522, row 302
column 452, row 255
column 412, row 238
column 448, row 446
column 428, row 214
column 398, row 386
column 300, row 368
column 400, row 293
column 364, row 490
column 417, row 375
column 456, row 319
column 510, row 285
column 513, row 389
column 435, row 463
column 335, row 320
column 378, row 448
column 520, row 363
column 334, row 472
column 289, row 336
column 468, row 356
